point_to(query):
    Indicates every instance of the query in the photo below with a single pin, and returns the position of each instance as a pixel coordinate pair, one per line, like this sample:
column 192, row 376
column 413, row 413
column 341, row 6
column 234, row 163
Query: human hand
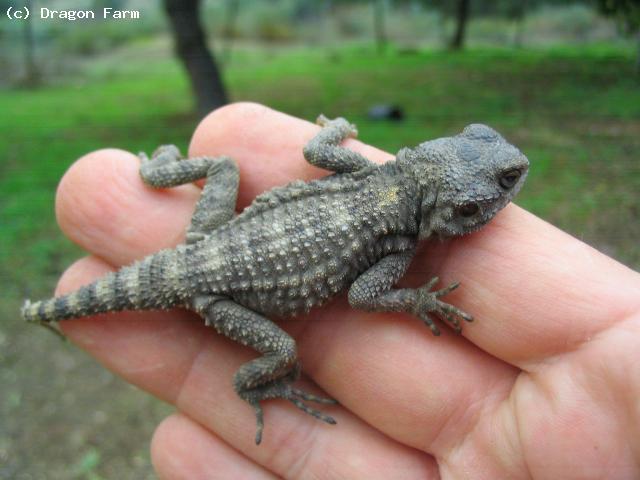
column 545, row 384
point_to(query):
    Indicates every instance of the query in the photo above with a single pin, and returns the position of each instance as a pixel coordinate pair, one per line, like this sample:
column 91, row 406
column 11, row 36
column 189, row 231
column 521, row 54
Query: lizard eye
column 509, row 178
column 468, row 209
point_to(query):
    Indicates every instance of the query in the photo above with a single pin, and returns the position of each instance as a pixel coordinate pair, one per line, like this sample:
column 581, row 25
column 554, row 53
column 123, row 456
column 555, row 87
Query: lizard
column 298, row 245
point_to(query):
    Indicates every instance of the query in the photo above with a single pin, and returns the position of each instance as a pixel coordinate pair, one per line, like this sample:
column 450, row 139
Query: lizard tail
column 150, row 284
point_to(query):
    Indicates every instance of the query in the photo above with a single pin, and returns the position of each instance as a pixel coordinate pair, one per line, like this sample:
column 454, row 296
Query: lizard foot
column 281, row 388
column 340, row 123
column 429, row 302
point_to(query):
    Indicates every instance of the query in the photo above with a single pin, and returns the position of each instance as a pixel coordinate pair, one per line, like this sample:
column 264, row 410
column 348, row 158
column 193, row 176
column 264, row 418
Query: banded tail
column 150, row 284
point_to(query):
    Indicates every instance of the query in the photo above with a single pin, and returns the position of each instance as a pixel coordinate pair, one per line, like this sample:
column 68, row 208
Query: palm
column 544, row 385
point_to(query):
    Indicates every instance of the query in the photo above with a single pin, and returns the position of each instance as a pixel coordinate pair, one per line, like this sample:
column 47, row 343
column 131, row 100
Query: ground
column 575, row 113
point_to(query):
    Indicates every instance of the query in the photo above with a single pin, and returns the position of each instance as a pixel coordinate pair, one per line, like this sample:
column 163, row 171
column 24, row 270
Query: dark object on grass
column 386, row 112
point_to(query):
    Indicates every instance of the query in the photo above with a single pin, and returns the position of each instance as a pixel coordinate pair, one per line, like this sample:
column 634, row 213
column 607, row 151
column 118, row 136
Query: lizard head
column 465, row 180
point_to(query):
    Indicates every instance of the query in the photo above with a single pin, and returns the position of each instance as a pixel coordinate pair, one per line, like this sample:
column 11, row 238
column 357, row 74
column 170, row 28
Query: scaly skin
column 299, row 245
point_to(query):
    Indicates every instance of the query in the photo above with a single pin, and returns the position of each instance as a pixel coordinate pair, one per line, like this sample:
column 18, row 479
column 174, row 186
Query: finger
column 535, row 291
column 185, row 363
column 183, row 449
column 423, row 391
column 103, row 206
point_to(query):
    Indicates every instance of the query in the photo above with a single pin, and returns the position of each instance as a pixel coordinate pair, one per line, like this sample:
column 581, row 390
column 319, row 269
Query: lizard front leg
column 217, row 203
column 268, row 376
column 324, row 149
column 372, row 292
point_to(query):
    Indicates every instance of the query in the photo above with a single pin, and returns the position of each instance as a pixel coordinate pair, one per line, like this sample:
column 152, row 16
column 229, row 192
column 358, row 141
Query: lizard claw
column 280, row 388
column 428, row 302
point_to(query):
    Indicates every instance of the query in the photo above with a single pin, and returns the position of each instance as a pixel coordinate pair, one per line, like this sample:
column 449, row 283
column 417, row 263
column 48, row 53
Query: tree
column 191, row 48
column 462, row 15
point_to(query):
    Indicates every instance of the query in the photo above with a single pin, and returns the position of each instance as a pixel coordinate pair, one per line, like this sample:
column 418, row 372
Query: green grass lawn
column 575, row 113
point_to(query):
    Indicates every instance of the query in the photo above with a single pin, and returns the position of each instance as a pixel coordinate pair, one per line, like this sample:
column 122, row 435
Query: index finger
column 536, row 291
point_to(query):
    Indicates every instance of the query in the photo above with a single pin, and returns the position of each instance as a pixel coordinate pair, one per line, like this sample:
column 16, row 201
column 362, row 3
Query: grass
column 575, row 112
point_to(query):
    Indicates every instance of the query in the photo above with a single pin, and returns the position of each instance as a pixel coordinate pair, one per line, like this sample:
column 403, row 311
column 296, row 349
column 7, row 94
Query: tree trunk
column 191, row 48
column 462, row 15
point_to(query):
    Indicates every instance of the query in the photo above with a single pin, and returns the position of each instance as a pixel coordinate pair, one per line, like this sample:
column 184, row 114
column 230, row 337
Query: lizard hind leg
column 167, row 168
column 271, row 375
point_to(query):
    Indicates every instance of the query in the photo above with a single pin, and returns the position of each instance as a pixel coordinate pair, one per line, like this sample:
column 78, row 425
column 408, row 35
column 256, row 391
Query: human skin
column 544, row 384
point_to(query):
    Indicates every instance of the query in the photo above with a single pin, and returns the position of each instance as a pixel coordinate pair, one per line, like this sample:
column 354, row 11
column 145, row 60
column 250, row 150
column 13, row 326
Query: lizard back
column 298, row 245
